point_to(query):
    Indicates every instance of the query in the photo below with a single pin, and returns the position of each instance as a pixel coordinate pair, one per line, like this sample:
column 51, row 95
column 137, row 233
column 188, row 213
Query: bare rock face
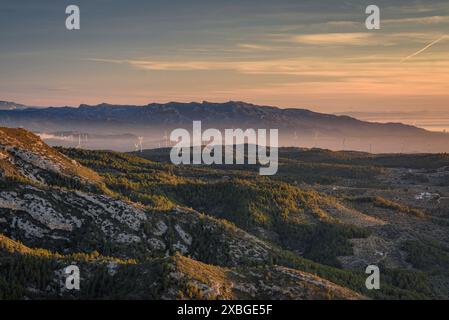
column 24, row 154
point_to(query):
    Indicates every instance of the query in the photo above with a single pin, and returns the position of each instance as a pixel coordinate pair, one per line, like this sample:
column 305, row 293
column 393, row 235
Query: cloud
column 304, row 66
column 356, row 38
column 425, row 48
column 255, row 47
column 314, row 69
column 116, row 61
column 181, row 65
column 418, row 20
column 162, row 65
column 344, row 23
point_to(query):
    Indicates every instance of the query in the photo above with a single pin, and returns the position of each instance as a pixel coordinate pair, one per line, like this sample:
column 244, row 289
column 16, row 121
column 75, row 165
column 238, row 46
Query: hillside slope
column 127, row 250
column 23, row 154
column 175, row 277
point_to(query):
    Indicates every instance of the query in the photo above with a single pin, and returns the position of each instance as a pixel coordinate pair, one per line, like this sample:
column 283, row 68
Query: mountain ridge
column 297, row 127
column 231, row 105
column 8, row 105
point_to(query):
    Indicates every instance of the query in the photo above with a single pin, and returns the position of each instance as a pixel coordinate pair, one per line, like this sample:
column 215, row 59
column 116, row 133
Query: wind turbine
column 138, row 145
column 79, row 142
column 165, row 138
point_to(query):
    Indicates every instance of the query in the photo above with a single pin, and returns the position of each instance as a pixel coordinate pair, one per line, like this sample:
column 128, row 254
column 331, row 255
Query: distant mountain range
column 6, row 105
column 297, row 127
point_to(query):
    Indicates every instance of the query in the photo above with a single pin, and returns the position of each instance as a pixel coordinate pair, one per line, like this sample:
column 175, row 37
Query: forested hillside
column 145, row 229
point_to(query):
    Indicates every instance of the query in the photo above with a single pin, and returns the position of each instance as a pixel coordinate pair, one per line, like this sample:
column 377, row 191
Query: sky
column 315, row 54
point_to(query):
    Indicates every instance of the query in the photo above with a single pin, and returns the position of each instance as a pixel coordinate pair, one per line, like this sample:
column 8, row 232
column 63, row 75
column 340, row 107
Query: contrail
column 425, row 48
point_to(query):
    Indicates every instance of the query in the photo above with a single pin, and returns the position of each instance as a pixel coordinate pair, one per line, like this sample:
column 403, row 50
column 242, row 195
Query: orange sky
column 297, row 54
